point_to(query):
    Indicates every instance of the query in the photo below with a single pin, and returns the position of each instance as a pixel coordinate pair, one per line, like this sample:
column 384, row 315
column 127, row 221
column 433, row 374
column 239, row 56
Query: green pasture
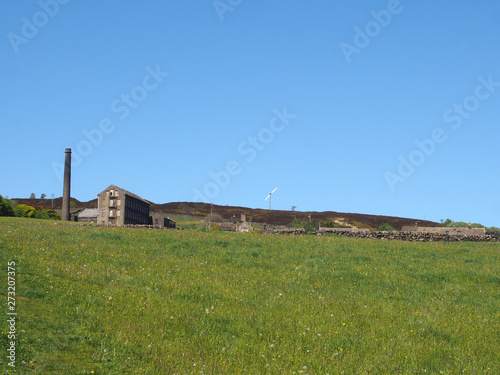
column 96, row 300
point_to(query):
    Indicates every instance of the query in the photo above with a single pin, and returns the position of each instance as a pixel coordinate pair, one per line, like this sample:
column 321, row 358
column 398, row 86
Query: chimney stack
column 66, row 216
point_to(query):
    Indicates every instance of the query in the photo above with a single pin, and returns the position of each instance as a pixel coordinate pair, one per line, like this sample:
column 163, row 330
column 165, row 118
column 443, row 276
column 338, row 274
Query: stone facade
column 158, row 220
column 244, row 227
column 118, row 206
column 88, row 215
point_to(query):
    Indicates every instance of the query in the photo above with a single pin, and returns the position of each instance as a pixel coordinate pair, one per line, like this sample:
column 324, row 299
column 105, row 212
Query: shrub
column 47, row 214
column 214, row 218
column 23, row 210
column 41, row 214
column 386, row 227
column 330, row 223
column 493, row 230
column 308, row 225
column 5, row 207
column 296, row 223
column 35, row 211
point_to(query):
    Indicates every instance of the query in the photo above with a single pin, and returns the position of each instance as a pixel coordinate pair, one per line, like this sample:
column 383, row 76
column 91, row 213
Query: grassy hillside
column 272, row 217
column 94, row 300
column 279, row 217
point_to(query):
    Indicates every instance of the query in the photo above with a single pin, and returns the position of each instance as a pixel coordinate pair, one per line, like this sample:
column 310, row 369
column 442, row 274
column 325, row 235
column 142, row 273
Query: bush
column 23, row 210
column 214, row 218
column 37, row 212
column 493, row 230
column 311, row 226
column 330, row 223
column 296, row 223
column 386, row 227
column 41, row 214
column 5, row 207
column 47, row 214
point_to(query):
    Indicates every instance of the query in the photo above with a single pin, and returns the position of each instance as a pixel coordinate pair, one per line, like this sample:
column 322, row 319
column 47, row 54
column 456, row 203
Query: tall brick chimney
column 66, row 216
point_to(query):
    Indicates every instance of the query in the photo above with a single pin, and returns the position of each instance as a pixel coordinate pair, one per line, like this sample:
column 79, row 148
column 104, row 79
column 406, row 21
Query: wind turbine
column 269, row 196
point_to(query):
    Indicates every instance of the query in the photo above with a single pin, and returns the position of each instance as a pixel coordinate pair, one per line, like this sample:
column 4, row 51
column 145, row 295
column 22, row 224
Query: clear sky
column 376, row 107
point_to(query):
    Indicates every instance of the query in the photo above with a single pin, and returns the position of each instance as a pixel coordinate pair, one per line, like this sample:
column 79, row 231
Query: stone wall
column 447, row 230
column 417, row 236
column 326, row 230
column 230, row 227
column 292, row 231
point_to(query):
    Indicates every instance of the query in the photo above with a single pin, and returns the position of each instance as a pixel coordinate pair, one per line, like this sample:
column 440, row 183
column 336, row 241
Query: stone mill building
column 117, row 206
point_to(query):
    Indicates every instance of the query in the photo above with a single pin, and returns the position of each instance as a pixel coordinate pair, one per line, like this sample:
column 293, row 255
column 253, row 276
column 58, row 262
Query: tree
column 293, row 208
column 43, row 196
column 5, row 207
column 32, row 196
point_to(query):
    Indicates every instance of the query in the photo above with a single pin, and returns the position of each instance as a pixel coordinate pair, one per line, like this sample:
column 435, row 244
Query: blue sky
column 379, row 107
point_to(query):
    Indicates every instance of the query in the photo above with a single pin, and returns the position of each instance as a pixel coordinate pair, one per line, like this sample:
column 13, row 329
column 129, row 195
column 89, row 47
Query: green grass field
column 94, row 300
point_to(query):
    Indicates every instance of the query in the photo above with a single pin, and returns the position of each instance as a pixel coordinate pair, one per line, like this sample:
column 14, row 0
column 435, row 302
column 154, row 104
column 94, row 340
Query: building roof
column 110, row 187
column 161, row 214
column 88, row 213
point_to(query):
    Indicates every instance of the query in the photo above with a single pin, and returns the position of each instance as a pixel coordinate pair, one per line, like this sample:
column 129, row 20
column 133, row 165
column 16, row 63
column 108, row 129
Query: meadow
column 96, row 300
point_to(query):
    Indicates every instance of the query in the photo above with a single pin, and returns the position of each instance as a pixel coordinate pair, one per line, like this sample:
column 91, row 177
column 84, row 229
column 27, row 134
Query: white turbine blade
column 274, row 190
column 267, row 197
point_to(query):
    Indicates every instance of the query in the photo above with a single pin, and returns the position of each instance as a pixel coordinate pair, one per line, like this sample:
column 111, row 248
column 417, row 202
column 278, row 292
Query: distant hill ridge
column 272, row 217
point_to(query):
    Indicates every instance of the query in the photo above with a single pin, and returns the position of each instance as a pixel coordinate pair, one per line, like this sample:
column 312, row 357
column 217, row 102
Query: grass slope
column 94, row 300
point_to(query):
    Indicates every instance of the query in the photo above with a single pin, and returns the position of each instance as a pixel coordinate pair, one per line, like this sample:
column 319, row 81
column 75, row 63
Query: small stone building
column 158, row 220
column 117, row 206
column 88, row 215
column 244, row 227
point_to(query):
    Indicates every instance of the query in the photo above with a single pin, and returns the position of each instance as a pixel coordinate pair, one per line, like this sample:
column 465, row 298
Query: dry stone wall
column 326, row 230
column 447, row 230
column 289, row 231
column 415, row 236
